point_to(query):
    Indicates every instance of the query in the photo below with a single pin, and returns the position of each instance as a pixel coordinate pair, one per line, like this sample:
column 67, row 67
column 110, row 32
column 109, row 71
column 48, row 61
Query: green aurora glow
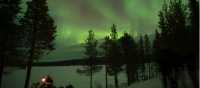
column 75, row 17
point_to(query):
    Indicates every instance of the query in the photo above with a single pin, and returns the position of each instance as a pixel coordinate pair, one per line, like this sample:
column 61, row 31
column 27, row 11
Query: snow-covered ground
column 62, row 75
column 184, row 81
column 65, row 75
column 152, row 83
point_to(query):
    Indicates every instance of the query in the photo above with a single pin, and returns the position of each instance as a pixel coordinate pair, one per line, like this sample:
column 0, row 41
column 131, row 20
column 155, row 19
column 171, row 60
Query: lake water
column 62, row 75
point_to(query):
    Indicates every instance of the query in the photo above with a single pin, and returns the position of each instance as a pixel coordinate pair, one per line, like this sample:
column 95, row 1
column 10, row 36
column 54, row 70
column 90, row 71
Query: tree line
column 174, row 48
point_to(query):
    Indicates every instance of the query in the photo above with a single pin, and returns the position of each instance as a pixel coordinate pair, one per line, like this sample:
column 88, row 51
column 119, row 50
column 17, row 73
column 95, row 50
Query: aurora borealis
column 75, row 17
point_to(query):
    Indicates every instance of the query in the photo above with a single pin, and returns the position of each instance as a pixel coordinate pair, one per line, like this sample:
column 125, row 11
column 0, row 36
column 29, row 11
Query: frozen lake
column 64, row 75
column 61, row 75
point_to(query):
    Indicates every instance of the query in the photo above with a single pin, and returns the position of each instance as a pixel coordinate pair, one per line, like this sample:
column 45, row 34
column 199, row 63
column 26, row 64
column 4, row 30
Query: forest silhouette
column 174, row 48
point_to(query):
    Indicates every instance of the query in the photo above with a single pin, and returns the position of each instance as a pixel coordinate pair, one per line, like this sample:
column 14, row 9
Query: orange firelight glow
column 43, row 80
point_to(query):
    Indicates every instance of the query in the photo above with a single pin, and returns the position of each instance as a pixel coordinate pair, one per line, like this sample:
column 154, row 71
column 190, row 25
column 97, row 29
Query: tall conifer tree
column 130, row 56
column 39, row 30
column 115, row 55
column 172, row 45
column 194, row 41
column 106, row 55
column 91, row 53
column 8, row 32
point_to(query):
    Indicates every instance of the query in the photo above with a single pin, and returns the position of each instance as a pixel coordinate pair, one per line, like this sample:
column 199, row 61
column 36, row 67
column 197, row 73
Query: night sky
column 75, row 17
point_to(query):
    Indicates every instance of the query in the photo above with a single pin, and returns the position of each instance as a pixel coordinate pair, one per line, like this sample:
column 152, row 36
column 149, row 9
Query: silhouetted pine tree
column 141, row 54
column 39, row 30
column 106, row 47
column 157, row 43
column 173, row 35
column 194, row 41
column 156, row 51
column 194, row 23
column 130, row 56
column 147, row 47
column 91, row 53
column 147, row 54
column 8, row 32
column 115, row 57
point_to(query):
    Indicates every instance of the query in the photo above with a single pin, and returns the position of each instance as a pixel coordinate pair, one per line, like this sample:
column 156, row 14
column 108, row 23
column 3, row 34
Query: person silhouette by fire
column 45, row 82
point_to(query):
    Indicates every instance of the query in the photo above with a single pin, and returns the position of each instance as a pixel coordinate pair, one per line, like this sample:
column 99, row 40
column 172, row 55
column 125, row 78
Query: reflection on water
column 62, row 76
